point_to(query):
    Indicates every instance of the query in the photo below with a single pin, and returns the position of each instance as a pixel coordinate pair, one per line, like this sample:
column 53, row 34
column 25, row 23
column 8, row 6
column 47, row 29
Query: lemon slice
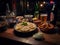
column 34, row 18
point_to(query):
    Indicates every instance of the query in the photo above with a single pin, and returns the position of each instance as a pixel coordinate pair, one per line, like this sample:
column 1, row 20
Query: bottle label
column 51, row 16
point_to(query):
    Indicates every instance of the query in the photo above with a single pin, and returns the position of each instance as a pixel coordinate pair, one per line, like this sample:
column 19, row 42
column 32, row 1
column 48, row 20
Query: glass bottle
column 27, row 14
column 52, row 16
column 7, row 11
column 36, row 12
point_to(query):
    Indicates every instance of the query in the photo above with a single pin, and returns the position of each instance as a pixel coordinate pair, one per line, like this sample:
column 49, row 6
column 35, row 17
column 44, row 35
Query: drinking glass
column 43, row 17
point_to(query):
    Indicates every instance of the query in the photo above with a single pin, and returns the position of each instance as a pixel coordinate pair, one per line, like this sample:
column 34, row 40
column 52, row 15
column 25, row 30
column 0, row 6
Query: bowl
column 25, row 32
column 3, row 24
column 49, row 29
column 3, row 28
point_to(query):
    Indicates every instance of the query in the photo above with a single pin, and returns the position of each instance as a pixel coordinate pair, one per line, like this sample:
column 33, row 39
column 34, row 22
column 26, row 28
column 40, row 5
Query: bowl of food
column 47, row 28
column 25, row 29
column 3, row 24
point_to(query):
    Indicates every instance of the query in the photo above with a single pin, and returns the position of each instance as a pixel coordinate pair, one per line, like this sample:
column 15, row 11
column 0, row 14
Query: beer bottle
column 36, row 12
column 52, row 16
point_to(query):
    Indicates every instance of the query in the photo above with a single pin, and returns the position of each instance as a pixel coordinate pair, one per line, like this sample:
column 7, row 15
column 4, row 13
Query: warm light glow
column 51, row 2
column 27, row 4
column 44, row 2
column 41, row 5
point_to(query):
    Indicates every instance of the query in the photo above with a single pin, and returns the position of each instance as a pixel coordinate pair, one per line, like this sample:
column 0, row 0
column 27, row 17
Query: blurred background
column 22, row 7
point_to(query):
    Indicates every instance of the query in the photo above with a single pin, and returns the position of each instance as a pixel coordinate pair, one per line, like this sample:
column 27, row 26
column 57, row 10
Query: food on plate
column 46, row 26
column 35, row 19
column 25, row 27
column 19, row 18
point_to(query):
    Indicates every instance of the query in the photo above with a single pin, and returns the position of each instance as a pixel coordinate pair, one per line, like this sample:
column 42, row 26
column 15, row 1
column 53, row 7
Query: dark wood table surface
column 50, row 39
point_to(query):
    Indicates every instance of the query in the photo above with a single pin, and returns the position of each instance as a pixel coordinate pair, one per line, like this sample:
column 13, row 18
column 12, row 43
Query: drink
column 36, row 12
column 43, row 17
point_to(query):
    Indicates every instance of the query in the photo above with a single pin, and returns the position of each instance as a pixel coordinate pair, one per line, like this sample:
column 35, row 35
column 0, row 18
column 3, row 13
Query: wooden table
column 50, row 39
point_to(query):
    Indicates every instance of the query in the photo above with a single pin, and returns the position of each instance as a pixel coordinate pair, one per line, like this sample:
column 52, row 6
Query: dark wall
column 3, row 6
column 22, row 9
column 58, row 9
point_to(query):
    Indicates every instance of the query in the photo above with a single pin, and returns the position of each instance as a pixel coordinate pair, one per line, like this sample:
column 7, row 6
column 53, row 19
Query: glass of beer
column 43, row 17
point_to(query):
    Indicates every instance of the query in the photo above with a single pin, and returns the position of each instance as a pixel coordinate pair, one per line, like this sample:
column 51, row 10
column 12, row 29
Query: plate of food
column 25, row 29
column 47, row 28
